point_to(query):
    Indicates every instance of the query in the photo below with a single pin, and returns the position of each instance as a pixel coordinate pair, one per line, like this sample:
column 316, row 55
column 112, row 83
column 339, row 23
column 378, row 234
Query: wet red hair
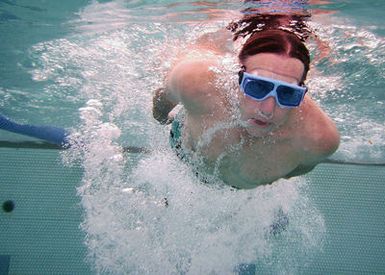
column 279, row 42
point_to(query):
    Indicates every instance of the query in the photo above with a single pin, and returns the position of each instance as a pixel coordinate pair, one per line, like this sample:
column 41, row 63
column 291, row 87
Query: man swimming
column 280, row 131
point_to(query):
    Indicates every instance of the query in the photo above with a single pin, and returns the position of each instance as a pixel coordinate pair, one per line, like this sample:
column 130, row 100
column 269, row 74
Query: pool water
column 92, row 66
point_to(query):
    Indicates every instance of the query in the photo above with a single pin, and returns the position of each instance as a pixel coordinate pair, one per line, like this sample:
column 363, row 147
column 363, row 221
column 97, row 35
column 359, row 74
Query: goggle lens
column 258, row 88
column 289, row 96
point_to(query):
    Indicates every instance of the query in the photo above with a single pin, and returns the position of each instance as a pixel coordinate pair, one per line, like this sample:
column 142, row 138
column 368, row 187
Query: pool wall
column 42, row 234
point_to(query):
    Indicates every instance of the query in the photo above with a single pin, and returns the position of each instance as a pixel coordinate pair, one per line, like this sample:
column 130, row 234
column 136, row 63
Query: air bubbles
column 87, row 113
column 128, row 190
column 150, row 212
column 166, row 219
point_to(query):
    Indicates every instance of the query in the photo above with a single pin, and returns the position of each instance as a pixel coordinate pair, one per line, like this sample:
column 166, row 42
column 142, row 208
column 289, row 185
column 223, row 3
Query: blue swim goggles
column 259, row 88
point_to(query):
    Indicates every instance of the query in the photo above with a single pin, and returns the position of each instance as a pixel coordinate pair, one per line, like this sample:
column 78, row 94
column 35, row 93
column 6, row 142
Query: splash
column 149, row 212
column 167, row 220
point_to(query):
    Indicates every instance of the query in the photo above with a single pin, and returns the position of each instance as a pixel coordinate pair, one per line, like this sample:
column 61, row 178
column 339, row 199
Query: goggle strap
column 240, row 76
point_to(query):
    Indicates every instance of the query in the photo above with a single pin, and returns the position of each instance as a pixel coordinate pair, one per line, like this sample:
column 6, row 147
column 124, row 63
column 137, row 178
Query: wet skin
column 268, row 142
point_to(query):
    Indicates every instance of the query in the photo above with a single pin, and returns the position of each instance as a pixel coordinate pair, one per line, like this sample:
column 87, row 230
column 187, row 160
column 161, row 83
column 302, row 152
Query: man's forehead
column 274, row 73
column 274, row 64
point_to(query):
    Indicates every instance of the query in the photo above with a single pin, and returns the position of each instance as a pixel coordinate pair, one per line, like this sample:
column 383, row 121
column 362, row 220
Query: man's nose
column 267, row 107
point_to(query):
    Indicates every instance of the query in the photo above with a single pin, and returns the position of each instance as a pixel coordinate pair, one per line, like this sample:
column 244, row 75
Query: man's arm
column 319, row 139
column 192, row 83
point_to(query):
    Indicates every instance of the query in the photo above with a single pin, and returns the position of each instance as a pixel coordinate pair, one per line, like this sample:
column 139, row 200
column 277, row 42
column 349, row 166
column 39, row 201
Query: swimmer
column 280, row 132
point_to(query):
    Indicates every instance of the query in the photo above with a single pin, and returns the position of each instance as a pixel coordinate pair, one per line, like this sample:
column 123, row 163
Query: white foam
column 202, row 228
column 130, row 227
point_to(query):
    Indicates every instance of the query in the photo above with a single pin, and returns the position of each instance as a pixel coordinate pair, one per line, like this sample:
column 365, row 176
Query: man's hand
column 161, row 106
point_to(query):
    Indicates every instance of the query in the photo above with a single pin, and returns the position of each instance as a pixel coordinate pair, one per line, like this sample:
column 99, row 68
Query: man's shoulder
column 193, row 80
column 320, row 137
column 196, row 64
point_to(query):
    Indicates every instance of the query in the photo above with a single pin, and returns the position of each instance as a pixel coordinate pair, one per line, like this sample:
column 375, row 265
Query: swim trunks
column 176, row 133
column 176, row 142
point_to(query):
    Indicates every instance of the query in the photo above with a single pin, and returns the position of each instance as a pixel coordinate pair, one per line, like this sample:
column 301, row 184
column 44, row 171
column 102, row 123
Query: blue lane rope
column 53, row 135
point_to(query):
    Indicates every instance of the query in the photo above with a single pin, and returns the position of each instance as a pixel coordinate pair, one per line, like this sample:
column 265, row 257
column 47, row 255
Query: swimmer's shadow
column 280, row 224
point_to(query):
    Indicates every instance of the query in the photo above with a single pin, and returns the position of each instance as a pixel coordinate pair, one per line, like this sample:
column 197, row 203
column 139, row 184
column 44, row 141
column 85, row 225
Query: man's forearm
column 161, row 106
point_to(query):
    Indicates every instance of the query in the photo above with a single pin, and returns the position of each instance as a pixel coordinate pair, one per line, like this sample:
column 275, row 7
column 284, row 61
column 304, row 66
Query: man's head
column 281, row 57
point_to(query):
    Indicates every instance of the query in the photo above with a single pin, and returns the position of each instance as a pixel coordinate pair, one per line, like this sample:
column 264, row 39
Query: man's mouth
column 258, row 122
